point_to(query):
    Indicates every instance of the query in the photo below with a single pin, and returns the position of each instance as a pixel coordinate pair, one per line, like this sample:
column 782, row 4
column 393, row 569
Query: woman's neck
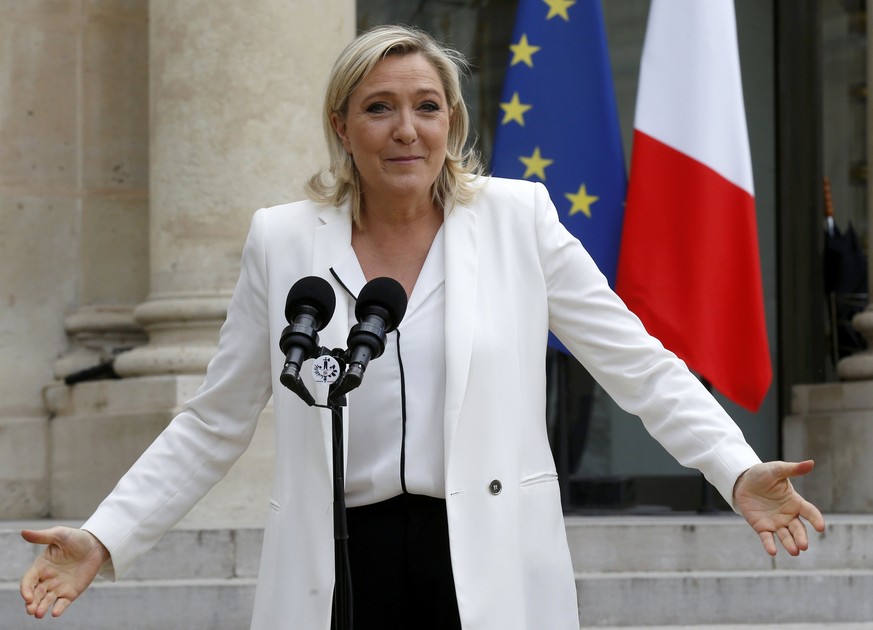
column 395, row 241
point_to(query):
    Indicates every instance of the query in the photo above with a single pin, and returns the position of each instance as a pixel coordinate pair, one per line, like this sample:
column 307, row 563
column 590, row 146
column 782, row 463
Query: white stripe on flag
column 690, row 92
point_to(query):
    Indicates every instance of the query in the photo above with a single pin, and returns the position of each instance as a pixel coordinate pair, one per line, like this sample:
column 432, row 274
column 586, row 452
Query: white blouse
column 395, row 437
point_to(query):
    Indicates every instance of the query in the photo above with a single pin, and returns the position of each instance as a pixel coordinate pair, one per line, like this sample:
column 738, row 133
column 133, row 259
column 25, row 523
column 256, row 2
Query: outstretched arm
column 65, row 569
column 770, row 504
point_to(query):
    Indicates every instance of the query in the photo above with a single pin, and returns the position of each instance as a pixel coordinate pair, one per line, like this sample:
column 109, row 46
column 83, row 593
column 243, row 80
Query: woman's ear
column 339, row 126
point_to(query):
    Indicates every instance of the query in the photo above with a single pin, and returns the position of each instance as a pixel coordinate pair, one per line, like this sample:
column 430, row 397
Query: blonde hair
column 340, row 182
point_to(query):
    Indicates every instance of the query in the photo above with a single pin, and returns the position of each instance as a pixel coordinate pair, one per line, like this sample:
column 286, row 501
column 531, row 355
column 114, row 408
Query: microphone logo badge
column 325, row 369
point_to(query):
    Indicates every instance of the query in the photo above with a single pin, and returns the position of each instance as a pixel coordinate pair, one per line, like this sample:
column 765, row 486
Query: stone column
column 73, row 205
column 859, row 367
column 113, row 151
column 833, row 423
column 235, row 95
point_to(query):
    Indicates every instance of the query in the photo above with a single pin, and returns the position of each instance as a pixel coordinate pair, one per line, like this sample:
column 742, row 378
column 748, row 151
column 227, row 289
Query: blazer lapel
column 461, row 291
column 331, row 242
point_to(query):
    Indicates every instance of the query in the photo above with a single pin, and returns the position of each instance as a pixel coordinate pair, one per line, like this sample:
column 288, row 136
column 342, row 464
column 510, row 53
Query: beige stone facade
column 138, row 139
column 73, row 209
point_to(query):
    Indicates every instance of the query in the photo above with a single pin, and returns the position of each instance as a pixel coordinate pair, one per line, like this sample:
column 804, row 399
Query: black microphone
column 308, row 309
column 380, row 307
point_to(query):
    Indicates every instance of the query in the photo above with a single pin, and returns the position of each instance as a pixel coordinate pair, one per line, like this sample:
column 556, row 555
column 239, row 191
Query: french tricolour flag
column 689, row 263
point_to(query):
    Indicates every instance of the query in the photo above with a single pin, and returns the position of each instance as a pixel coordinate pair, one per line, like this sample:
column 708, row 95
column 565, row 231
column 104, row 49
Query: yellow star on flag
column 559, row 7
column 582, row 201
column 536, row 165
column 523, row 51
column 514, row 110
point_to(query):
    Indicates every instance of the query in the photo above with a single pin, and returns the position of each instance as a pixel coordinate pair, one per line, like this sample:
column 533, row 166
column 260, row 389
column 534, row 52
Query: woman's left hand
column 770, row 504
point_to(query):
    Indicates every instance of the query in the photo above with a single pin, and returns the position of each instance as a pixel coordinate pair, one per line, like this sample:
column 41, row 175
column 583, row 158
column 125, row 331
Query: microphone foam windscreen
column 314, row 292
column 386, row 293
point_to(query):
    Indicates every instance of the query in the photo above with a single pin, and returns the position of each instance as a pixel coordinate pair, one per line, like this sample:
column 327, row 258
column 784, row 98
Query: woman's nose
column 404, row 129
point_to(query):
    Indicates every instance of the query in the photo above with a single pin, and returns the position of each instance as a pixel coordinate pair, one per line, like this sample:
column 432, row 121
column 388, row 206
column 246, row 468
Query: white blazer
column 512, row 273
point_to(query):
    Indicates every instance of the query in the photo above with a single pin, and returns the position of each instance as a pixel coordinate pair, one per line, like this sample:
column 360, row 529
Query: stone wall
column 73, row 206
column 138, row 139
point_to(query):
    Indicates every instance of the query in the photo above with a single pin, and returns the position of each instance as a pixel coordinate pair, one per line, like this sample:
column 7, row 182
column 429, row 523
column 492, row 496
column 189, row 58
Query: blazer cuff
column 726, row 477
column 107, row 569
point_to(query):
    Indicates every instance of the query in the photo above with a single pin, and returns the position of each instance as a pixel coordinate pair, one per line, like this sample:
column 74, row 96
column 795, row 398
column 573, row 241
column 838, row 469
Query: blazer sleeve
column 210, row 433
column 632, row 366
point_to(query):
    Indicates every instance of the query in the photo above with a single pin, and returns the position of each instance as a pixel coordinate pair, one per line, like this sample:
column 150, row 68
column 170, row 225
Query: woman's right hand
column 65, row 569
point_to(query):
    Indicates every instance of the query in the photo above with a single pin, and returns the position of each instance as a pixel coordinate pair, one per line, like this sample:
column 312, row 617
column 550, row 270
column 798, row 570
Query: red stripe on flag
column 689, row 268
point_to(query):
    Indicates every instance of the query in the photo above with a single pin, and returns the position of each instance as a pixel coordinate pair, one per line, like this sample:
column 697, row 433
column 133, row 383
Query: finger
column 797, row 469
column 768, row 542
column 60, row 606
column 27, row 584
column 32, row 608
column 813, row 515
column 45, row 605
column 38, row 595
column 787, row 541
column 777, row 470
column 798, row 532
column 40, row 536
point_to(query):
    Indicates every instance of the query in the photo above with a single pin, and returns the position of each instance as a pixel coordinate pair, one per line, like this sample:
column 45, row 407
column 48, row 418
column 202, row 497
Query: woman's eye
column 430, row 107
column 377, row 108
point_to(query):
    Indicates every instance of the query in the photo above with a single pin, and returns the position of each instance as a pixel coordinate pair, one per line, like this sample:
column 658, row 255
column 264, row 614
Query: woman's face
column 396, row 129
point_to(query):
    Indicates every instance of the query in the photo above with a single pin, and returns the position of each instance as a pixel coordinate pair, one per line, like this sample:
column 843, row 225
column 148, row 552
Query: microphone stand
column 342, row 589
column 343, row 369
column 336, row 400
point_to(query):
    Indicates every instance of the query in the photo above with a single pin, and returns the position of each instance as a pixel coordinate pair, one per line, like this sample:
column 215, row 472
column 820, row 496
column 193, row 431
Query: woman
column 455, row 515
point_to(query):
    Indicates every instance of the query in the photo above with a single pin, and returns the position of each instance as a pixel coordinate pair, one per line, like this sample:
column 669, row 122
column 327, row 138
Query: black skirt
column 400, row 565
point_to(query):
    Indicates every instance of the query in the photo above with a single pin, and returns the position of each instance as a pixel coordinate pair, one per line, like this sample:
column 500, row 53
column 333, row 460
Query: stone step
column 607, row 544
column 183, row 553
column 189, row 604
column 193, row 578
column 703, row 598
column 681, row 571
column 668, row 600
column 865, row 625
column 724, row 542
column 702, row 570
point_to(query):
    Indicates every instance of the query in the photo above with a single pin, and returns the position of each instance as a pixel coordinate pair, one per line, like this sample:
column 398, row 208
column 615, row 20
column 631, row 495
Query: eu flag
column 558, row 121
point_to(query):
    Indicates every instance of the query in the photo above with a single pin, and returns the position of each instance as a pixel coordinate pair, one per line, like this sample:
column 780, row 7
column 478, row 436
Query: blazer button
column 495, row 487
